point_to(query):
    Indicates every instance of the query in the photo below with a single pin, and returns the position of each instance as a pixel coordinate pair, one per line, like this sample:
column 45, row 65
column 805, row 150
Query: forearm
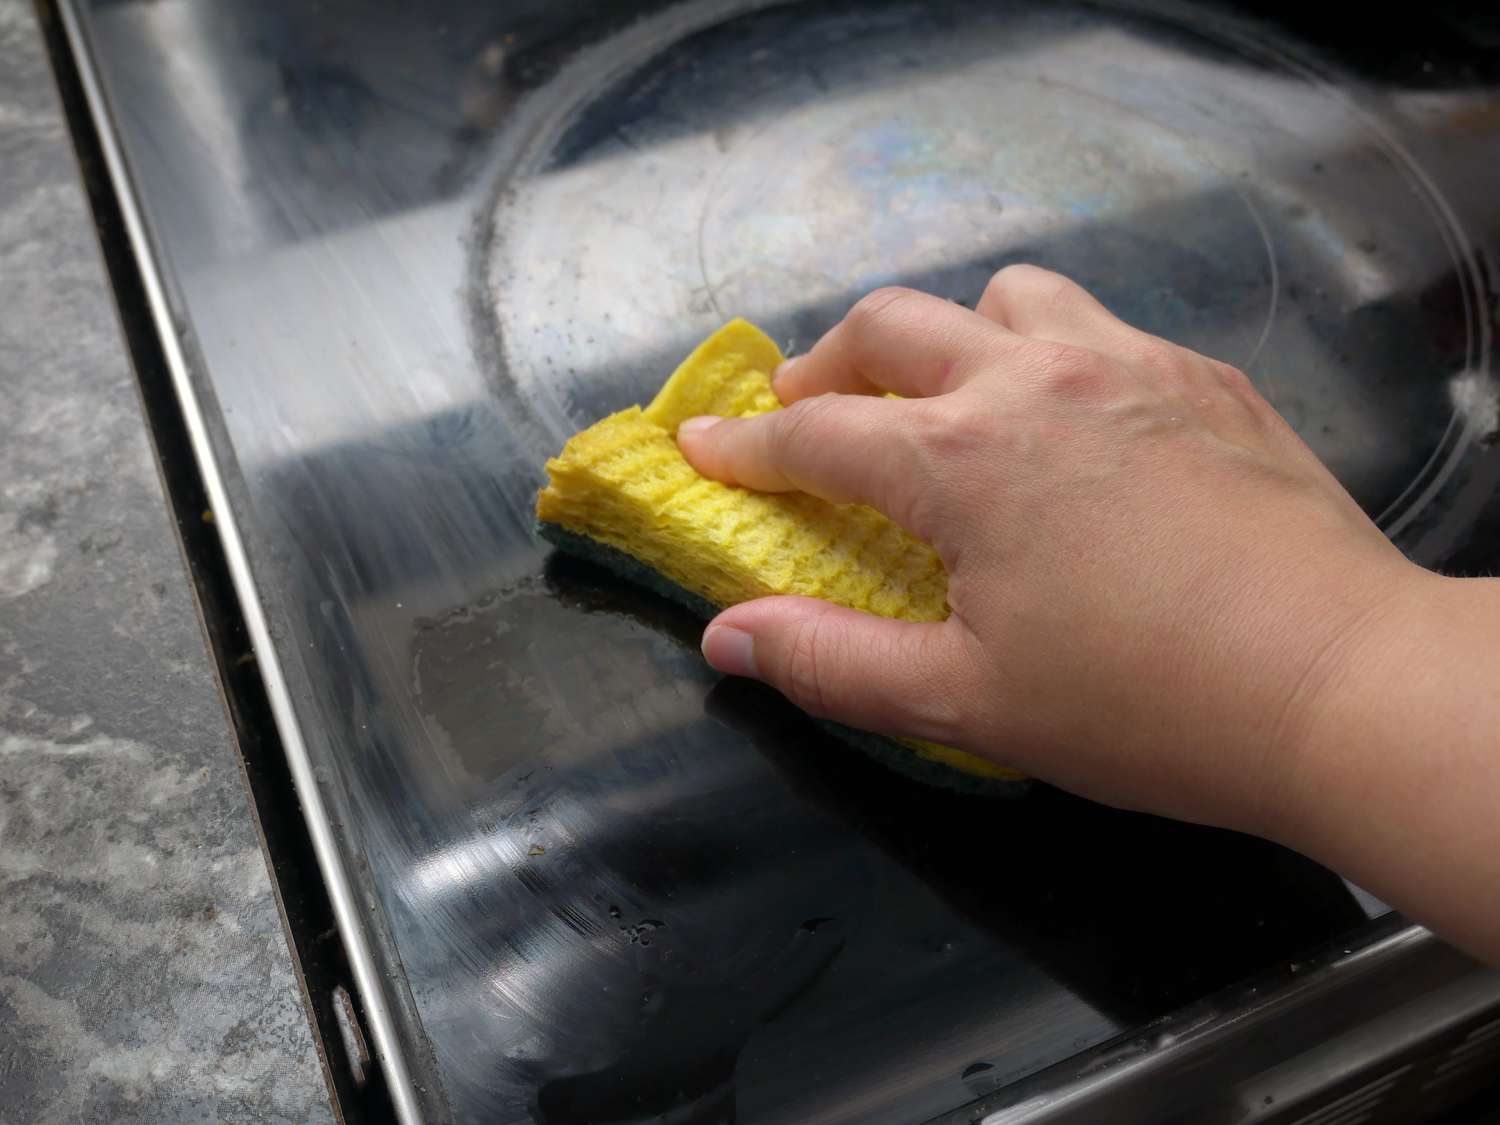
column 1398, row 770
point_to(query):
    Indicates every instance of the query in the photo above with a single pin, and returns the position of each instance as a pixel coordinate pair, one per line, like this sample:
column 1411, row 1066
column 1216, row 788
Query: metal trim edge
column 1182, row 1032
column 330, row 863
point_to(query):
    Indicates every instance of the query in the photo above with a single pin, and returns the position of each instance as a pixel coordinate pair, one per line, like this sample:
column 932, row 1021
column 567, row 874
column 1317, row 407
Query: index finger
column 842, row 448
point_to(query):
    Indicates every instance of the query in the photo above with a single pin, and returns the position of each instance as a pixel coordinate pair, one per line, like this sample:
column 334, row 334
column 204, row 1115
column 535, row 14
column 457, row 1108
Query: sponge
column 622, row 494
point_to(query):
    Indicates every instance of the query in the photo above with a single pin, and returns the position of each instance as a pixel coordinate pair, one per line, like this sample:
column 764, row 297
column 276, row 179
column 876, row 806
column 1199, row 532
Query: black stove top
column 409, row 249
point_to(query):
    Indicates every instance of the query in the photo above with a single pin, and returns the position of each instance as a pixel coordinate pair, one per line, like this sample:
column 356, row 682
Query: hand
column 1153, row 581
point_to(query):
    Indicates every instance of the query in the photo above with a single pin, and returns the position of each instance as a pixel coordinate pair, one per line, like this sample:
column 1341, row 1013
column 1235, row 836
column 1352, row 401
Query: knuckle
column 952, row 433
column 1163, row 364
column 939, row 707
column 805, row 676
column 1235, row 380
column 802, row 424
column 954, row 450
column 998, row 290
column 879, row 307
column 1019, row 276
column 1240, row 389
column 1076, row 374
column 1029, row 285
column 920, row 511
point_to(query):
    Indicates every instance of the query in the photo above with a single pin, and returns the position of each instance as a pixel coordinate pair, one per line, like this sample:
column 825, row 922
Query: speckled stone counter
column 144, row 976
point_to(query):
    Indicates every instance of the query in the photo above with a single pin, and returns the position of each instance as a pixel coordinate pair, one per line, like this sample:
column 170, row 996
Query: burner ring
column 1197, row 175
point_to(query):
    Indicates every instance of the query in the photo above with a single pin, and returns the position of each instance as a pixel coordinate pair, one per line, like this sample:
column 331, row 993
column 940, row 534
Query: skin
column 1160, row 597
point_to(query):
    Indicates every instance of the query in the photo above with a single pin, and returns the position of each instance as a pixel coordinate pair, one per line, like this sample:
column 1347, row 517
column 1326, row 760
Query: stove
column 393, row 255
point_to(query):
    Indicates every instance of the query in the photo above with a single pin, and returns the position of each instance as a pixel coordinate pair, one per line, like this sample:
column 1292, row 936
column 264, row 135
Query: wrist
column 1345, row 706
column 1397, row 780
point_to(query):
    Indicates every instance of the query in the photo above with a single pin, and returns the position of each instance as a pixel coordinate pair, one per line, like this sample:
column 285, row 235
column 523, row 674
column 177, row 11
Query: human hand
column 1153, row 582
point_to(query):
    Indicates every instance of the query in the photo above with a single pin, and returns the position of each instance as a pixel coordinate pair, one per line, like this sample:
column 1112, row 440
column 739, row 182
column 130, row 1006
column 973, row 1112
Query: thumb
column 911, row 680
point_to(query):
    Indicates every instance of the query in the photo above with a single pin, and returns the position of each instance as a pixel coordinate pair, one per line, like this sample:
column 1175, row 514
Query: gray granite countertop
column 144, row 975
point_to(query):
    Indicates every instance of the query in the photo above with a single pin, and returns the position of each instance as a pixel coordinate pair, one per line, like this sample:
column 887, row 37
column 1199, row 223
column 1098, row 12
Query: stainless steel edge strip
column 340, row 891
column 1040, row 1107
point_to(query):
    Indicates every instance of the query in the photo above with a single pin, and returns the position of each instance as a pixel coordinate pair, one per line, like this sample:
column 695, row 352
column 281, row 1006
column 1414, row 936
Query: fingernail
column 694, row 426
column 781, row 371
column 730, row 650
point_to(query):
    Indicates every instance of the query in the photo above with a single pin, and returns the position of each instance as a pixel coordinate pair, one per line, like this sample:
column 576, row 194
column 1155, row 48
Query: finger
column 898, row 340
column 1031, row 301
column 843, row 448
column 899, row 678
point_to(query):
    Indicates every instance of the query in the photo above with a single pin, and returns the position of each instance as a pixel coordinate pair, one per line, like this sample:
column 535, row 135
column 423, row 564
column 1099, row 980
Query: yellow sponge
column 624, row 484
